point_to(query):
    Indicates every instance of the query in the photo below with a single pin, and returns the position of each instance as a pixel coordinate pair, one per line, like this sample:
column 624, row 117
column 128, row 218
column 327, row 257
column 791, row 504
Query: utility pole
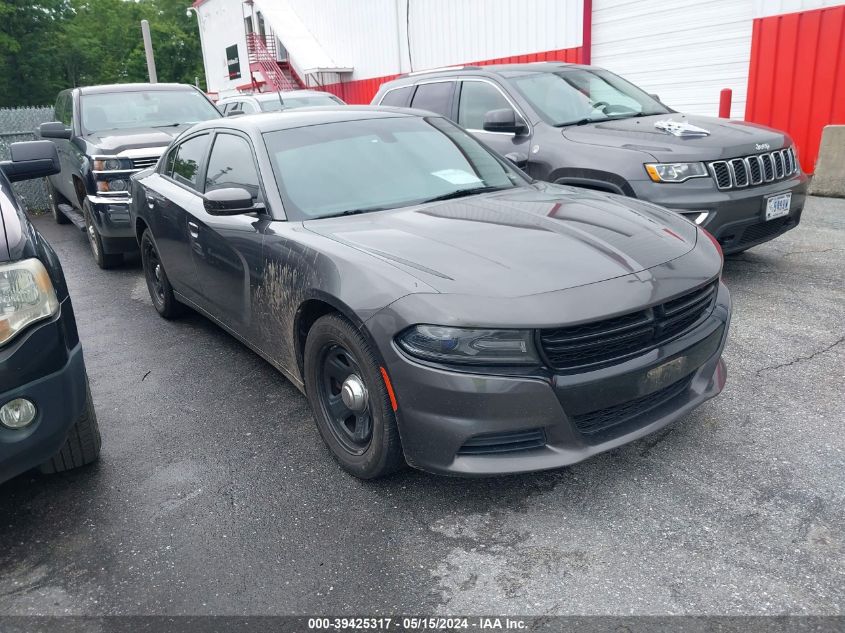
column 148, row 49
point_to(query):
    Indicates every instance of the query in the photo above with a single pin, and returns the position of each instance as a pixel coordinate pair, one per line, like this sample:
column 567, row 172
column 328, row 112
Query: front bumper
column 736, row 217
column 46, row 366
column 111, row 217
column 445, row 415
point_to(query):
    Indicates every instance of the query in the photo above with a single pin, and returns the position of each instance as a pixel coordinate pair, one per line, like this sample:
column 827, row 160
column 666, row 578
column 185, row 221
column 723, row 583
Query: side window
column 248, row 108
column 231, row 165
column 436, row 97
column 398, row 97
column 477, row 99
column 187, row 161
column 63, row 108
column 167, row 165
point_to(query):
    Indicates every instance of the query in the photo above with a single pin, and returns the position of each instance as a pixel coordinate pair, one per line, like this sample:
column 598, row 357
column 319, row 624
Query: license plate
column 664, row 375
column 778, row 206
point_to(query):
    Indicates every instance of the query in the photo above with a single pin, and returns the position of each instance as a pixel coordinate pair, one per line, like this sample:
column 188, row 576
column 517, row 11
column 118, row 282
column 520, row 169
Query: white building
column 784, row 60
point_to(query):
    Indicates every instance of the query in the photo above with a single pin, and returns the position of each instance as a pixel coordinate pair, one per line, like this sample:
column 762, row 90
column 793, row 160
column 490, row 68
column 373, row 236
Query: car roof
column 490, row 69
column 137, row 87
column 272, row 96
column 303, row 117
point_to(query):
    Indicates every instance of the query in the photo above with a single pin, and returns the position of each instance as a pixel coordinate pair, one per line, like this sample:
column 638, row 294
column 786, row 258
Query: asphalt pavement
column 215, row 495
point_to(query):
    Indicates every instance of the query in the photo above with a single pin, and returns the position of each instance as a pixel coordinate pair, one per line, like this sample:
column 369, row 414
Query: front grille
column 762, row 230
column 609, row 417
column 612, row 340
column 740, row 172
column 144, row 162
column 494, row 443
column 754, row 169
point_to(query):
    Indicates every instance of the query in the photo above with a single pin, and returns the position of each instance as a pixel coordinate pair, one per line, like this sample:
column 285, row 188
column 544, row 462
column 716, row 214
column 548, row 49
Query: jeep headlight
column 26, row 296
column 464, row 346
column 675, row 172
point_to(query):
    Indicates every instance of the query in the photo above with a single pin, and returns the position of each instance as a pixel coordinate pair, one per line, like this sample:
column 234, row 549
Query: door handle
column 194, row 229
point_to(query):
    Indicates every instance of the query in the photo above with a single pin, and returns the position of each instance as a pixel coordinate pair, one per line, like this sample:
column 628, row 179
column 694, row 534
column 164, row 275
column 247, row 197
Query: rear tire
column 161, row 292
column 364, row 438
column 82, row 445
column 55, row 200
column 95, row 241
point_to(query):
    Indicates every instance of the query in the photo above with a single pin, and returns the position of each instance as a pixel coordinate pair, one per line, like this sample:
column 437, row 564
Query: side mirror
column 518, row 159
column 230, row 201
column 235, row 113
column 31, row 159
column 504, row 120
column 655, row 97
column 54, row 129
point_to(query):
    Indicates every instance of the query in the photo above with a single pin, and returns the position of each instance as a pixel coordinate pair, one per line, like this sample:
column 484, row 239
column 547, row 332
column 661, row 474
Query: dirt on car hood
column 518, row 242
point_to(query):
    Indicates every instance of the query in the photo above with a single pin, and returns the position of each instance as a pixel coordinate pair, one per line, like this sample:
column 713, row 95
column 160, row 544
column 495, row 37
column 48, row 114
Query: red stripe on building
column 362, row 91
column 796, row 81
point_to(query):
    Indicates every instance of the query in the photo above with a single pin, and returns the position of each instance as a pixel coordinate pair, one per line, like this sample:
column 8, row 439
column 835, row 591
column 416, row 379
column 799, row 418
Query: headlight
column 675, row 172
column 26, row 296
column 105, row 163
column 469, row 346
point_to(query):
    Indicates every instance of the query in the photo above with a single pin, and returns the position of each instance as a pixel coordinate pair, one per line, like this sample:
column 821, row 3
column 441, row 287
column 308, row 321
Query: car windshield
column 374, row 164
column 273, row 105
column 153, row 108
column 584, row 96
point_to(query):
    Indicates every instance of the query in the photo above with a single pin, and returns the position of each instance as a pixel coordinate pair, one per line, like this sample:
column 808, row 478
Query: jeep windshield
column 153, row 108
column 582, row 95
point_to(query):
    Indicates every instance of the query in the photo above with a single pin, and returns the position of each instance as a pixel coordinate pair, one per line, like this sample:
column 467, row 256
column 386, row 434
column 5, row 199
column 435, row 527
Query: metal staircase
column 262, row 54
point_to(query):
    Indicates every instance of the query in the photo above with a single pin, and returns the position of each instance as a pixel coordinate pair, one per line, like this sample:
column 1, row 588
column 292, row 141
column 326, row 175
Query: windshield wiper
column 177, row 124
column 340, row 214
column 461, row 193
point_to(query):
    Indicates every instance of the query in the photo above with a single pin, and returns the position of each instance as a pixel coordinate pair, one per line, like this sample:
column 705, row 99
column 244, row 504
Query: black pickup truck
column 104, row 134
column 47, row 418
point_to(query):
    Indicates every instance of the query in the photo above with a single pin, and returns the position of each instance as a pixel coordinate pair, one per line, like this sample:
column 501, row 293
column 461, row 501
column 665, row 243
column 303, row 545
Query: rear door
column 227, row 249
column 436, row 96
column 173, row 197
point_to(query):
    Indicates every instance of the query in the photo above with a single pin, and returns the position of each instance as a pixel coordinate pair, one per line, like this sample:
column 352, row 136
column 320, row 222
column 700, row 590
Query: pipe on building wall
column 725, row 103
column 587, row 33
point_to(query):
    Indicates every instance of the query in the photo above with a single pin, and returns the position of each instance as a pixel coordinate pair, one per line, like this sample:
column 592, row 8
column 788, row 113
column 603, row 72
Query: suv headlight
column 111, row 173
column 466, row 346
column 26, row 296
column 675, row 172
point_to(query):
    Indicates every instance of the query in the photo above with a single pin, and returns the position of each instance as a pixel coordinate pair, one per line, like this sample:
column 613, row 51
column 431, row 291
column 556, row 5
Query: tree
column 48, row 45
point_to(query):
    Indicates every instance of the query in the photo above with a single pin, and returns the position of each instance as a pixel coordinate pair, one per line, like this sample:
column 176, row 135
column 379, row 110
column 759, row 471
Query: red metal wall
column 362, row 91
column 796, row 80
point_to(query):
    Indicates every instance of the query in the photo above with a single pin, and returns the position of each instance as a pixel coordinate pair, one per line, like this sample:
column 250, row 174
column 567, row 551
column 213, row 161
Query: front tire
column 350, row 401
column 82, row 445
column 95, row 241
column 161, row 292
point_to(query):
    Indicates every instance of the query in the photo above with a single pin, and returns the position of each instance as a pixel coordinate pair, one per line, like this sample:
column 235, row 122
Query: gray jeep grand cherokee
column 585, row 126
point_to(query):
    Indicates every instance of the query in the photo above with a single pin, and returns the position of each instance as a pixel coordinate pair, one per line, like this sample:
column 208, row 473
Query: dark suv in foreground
column 584, row 126
column 46, row 415
column 104, row 134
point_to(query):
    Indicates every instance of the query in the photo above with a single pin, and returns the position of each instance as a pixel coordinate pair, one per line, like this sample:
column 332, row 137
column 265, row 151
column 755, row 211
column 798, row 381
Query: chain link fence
column 18, row 124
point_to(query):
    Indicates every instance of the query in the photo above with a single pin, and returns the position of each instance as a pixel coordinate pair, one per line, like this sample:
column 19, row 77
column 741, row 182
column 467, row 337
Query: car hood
column 726, row 139
column 114, row 141
column 518, row 242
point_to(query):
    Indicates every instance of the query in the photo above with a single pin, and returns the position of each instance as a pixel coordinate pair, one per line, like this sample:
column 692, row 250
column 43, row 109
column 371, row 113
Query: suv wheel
column 104, row 261
column 82, row 445
column 349, row 399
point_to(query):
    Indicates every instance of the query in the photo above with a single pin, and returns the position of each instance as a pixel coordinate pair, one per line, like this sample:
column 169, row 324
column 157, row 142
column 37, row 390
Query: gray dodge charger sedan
column 435, row 305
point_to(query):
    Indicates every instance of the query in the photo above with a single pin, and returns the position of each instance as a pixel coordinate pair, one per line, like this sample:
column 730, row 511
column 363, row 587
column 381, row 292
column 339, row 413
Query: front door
column 477, row 98
column 227, row 249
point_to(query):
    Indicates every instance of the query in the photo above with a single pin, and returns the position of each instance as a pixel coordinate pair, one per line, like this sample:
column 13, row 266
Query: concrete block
column 829, row 178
